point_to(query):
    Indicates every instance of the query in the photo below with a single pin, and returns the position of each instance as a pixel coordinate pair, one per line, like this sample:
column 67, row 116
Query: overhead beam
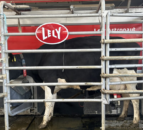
column 51, row 1
column 91, row 7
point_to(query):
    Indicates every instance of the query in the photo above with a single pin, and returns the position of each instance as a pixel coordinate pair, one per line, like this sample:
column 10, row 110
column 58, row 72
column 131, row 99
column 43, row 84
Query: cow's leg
column 132, row 87
column 136, row 118
column 125, row 108
column 52, row 105
column 48, row 109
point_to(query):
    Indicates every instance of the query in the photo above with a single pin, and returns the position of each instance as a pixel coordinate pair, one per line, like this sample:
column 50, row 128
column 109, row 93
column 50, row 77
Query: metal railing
column 6, row 68
column 105, row 57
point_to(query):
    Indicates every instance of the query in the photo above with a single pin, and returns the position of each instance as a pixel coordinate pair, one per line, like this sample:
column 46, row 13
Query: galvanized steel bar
column 126, row 66
column 107, row 54
column 6, row 119
column 53, row 50
column 122, row 58
column 84, row 32
column 1, row 80
column 1, row 60
column 126, row 32
column 52, row 67
column 122, row 75
column 103, row 62
column 3, row 95
column 127, row 98
column 52, row 16
column 53, row 100
column 20, row 34
column 2, row 76
column 122, row 40
column 126, row 82
column 70, row 33
column 7, row 71
column 127, row 15
column 122, row 91
column 126, row 49
column 57, row 84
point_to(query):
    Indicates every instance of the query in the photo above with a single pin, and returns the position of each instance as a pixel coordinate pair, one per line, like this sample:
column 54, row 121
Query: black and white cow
column 80, row 75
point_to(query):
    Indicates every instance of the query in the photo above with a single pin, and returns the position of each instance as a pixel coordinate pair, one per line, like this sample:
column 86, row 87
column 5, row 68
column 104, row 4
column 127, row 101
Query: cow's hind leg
column 125, row 108
column 136, row 118
column 48, row 107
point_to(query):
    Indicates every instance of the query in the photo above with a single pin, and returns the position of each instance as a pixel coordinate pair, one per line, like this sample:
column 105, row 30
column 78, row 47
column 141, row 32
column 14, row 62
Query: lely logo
column 51, row 33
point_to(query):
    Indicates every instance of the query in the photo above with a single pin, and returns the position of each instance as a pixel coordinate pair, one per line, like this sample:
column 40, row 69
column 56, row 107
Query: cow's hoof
column 134, row 125
column 120, row 118
column 42, row 126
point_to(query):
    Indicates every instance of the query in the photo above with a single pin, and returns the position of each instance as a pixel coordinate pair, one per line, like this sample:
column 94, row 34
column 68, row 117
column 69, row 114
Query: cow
column 71, row 75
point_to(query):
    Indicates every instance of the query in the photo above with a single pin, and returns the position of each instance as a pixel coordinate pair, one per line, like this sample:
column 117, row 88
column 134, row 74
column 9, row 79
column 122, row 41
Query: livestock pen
column 80, row 21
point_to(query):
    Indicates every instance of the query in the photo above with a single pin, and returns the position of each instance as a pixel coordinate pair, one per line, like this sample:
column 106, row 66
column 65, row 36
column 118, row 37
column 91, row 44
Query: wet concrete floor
column 57, row 123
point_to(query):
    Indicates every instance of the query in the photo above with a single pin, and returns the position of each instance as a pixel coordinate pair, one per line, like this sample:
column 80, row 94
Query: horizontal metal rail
column 57, row 84
column 70, row 33
column 121, row 75
column 127, row 15
column 53, row 50
column 126, row 32
column 54, row 100
column 2, row 76
column 52, row 67
column 52, row 16
column 126, row 82
column 70, row 50
column 126, row 65
column 84, row 32
column 122, row 40
column 1, row 80
column 1, row 60
column 20, row 34
column 122, row 91
column 2, row 95
column 126, row 49
column 121, row 57
column 127, row 98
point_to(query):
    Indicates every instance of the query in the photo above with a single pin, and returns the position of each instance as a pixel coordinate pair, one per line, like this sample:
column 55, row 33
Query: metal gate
column 105, row 17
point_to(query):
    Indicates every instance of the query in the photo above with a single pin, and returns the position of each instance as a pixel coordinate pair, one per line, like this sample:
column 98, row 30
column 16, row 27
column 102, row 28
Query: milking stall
column 71, row 64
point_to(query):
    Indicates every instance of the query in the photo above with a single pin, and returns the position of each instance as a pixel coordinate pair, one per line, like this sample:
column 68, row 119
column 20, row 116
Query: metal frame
column 105, row 84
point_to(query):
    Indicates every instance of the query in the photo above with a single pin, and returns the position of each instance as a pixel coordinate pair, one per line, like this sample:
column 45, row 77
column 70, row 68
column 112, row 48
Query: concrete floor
column 58, row 123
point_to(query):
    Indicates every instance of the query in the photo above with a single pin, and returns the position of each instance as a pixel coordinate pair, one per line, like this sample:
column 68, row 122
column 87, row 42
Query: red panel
column 38, row 1
column 30, row 42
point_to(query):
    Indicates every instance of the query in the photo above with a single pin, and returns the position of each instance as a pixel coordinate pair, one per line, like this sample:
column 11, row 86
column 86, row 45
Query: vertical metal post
column 7, row 65
column 142, row 77
column 103, row 62
column 107, row 53
column 3, row 69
